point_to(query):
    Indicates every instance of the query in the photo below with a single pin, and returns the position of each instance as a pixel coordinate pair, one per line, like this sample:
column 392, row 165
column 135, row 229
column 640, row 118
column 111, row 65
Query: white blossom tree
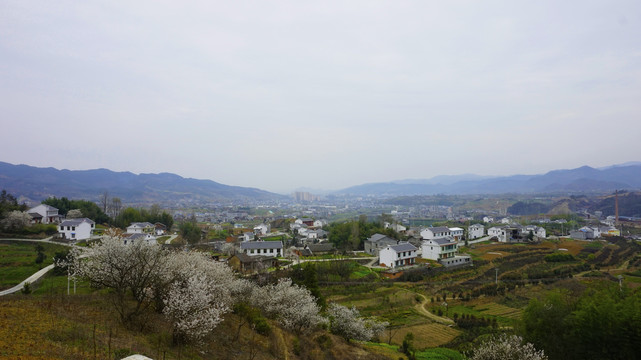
column 126, row 269
column 291, row 305
column 348, row 323
column 199, row 293
column 74, row 214
column 506, row 347
column 16, row 220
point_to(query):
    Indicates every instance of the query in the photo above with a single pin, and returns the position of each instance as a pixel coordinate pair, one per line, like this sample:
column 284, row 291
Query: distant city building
column 305, row 196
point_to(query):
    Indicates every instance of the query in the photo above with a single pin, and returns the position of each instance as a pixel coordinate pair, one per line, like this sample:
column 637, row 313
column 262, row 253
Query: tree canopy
column 88, row 209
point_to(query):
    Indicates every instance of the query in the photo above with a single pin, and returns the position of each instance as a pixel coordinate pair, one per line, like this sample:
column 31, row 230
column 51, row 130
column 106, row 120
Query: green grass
column 439, row 354
column 18, row 260
column 57, row 284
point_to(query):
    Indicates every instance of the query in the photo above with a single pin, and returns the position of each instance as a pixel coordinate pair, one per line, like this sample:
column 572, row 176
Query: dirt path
column 421, row 310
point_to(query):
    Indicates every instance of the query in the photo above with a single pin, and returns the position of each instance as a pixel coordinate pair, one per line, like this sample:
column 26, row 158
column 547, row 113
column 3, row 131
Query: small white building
column 457, row 233
column 506, row 220
column 76, row 229
column 396, row 227
column 268, row 248
column 499, row 232
column 160, row 228
column 475, row 231
column 44, row 214
column 403, row 254
column 248, row 236
column 141, row 227
column 536, row 231
column 320, row 223
column 145, row 238
column 262, row 229
column 488, row 219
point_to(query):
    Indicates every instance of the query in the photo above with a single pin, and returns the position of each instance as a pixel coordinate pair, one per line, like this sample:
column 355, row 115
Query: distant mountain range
column 580, row 180
column 36, row 184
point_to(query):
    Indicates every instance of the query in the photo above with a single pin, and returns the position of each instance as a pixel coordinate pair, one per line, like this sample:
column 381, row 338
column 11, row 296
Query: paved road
column 477, row 240
column 31, row 279
column 171, row 238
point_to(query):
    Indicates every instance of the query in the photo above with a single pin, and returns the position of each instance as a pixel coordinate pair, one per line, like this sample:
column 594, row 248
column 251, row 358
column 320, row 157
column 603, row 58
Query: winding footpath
column 35, row 277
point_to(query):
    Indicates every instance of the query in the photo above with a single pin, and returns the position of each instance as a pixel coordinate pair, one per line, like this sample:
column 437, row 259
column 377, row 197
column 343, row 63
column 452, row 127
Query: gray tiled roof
column 378, row 237
column 439, row 229
column 76, row 222
column 403, row 247
column 136, row 236
column 443, row 241
column 261, row 245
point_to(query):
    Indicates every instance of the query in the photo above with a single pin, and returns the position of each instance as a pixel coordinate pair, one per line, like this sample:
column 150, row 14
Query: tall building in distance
column 305, row 196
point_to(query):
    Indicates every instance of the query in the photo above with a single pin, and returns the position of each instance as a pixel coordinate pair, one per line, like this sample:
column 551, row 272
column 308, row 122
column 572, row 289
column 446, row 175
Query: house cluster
column 309, row 230
column 594, row 232
column 516, row 232
column 441, row 244
column 437, row 243
column 68, row 229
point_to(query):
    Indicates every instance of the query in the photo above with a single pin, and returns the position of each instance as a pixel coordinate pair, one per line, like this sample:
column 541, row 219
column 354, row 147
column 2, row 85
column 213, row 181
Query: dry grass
column 427, row 335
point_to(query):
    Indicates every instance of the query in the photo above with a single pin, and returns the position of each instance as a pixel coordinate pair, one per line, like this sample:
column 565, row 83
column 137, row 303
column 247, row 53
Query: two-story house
column 76, row 229
column 402, row 254
column 377, row 242
column 445, row 251
column 475, row 231
column 435, row 232
column 44, row 214
column 141, row 228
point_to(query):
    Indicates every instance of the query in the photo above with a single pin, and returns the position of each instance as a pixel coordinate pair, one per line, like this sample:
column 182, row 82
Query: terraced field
column 427, row 335
column 495, row 309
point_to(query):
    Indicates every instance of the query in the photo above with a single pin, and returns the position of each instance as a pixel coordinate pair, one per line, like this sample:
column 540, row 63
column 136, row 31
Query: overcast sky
column 323, row 94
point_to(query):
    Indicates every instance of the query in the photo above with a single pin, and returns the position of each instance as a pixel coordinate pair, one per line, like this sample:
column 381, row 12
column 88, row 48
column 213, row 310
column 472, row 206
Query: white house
column 316, row 234
column 436, row 232
column 396, row 227
column 377, row 242
column 161, row 229
column 262, row 229
column 248, row 236
column 475, row 231
column 506, row 220
column 319, row 223
column 44, row 214
column 445, row 251
column 255, row 248
column 76, row 229
column 145, row 238
column 403, row 254
column 488, row 219
column 441, row 248
column 536, row 231
column 141, row 227
column 499, row 232
column 457, row 233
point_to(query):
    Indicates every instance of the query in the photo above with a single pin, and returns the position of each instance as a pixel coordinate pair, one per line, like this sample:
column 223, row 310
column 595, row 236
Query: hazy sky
column 323, row 94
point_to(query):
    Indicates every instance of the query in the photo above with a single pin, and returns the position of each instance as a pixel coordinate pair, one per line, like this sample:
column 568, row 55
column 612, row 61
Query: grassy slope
column 18, row 260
